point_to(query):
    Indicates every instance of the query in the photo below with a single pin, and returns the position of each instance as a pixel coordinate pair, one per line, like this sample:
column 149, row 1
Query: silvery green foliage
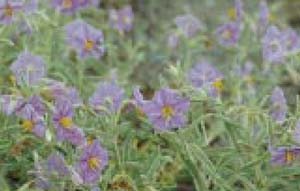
column 148, row 95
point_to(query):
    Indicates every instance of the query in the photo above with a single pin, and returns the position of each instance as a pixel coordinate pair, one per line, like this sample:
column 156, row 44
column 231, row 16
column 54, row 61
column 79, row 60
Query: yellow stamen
column 67, row 4
column 289, row 156
column 89, row 140
column 8, row 10
column 218, row 84
column 93, row 163
column 88, row 44
column 167, row 111
column 231, row 13
column 226, row 34
column 27, row 124
column 66, row 122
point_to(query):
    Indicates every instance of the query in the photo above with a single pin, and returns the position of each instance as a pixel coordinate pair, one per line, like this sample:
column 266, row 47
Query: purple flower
column 263, row 18
column 84, row 38
column 188, row 24
column 92, row 161
column 290, row 40
column 28, row 68
column 63, row 123
column 272, row 46
column 278, row 106
column 32, row 122
column 166, row 110
column 8, row 103
column 65, row 6
column 56, row 163
column 283, row 154
column 205, row 75
column 121, row 19
column 8, row 8
column 108, row 96
column 228, row 34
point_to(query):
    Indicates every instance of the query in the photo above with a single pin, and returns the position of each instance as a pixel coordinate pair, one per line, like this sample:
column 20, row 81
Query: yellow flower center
column 231, row 13
column 226, row 34
column 67, row 4
column 218, row 84
column 289, row 156
column 93, row 163
column 167, row 111
column 27, row 124
column 88, row 44
column 89, row 140
column 8, row 10
column 66, row 122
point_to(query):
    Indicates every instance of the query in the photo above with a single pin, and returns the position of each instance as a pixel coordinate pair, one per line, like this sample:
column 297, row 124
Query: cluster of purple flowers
column 30, row 69
column 165, row 111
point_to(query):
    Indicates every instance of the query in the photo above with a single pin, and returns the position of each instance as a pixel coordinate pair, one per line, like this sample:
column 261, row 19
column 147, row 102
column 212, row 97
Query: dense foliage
column 148, row 95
